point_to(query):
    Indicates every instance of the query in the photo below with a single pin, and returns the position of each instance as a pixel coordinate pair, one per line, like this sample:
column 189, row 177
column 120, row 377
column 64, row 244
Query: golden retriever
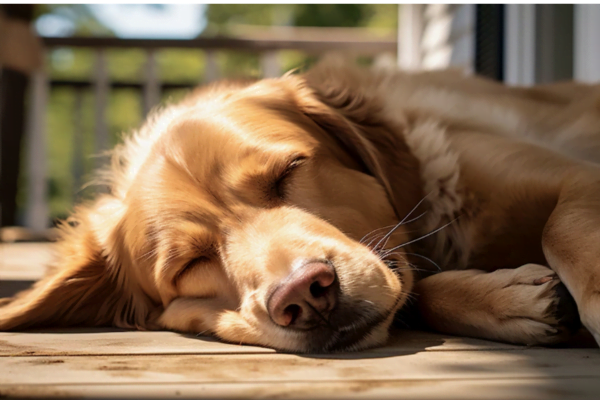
column 302, row 213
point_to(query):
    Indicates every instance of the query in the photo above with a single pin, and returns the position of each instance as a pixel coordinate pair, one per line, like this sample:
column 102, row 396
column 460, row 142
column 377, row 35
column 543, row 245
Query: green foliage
column 221, row 16
column 331, row 14
column 126, row 64
column 181, row 65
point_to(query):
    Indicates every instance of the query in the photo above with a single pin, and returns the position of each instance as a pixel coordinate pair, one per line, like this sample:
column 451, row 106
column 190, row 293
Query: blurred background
column 74, row 78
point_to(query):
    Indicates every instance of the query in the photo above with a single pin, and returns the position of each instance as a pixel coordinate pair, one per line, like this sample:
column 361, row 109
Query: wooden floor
column 117, row 363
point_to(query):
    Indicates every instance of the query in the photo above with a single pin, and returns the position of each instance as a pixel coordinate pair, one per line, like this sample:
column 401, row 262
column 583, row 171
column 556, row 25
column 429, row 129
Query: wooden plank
column 77, row 342
column 279, row 368
column 24, row 261
column 95, row 342
column 542, row 388
column 364, row 45
column 119, row 342
column 84, row 84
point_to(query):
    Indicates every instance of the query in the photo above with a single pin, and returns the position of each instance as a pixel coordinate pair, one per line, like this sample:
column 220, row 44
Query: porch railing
column 150, row 86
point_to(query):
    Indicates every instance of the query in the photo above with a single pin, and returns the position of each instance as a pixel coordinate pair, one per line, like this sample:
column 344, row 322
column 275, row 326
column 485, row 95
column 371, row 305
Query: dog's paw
column 534, row 307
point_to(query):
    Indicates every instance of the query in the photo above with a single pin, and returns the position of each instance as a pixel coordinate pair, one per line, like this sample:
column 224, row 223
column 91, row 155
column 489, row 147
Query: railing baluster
column 212, row 69
column 37, row 207
column 36, row 217
column 101, row 88
column 78, row 160
column 151, row 86
column 270, row 64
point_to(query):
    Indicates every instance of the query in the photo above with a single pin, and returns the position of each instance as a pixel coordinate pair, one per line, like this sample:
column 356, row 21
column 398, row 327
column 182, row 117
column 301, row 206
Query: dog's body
column 290, row 213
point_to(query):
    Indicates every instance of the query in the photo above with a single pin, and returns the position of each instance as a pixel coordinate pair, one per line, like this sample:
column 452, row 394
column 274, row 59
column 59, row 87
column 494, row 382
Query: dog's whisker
column 403, row 220
column 422, row 237
column 426, row 258
column 390, row 254
column 407, row 222
column 373, row 231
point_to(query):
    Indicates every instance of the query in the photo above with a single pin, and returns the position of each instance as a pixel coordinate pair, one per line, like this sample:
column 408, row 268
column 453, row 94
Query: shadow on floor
column 9, row 288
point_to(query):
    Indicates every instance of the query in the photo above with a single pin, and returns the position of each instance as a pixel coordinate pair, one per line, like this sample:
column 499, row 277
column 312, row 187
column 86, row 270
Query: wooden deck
column 117, row 363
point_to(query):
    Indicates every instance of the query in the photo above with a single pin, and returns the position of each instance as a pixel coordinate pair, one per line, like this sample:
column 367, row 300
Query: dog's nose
column 305, row 298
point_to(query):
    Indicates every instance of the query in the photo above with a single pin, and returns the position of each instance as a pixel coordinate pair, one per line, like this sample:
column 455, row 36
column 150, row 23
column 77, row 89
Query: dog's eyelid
column 294, row 163
column 197, row 261
column 296, row 160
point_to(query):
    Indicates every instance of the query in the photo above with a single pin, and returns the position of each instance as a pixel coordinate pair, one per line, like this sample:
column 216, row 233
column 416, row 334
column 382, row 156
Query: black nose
column 306, row 297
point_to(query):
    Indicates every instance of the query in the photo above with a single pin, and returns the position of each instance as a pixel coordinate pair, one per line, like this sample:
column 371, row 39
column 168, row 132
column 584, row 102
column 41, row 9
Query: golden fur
column 217, row 199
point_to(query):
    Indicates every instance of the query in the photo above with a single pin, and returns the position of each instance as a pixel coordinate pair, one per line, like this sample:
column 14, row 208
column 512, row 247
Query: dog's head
column 240, row 213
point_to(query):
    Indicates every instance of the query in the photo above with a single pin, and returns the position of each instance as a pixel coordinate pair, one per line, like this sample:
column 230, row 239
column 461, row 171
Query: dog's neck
column 445, row 196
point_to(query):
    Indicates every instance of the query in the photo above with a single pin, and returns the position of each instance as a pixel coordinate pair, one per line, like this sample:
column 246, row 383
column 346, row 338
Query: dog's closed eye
column 195, row 263
column 280, row 183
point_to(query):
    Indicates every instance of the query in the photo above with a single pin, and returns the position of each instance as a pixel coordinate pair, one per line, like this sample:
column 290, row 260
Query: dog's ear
column 87, row 285
column 357, row 124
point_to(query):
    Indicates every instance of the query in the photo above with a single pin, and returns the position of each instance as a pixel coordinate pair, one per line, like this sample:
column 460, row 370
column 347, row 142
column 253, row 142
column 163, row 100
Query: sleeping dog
column 301, row 213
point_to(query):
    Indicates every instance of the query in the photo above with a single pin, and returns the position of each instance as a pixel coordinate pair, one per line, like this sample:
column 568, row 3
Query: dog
column 302, row 213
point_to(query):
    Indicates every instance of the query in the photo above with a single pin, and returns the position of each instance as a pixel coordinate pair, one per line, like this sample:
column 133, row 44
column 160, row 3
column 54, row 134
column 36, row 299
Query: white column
column 36, row 217
column 587, row 43
column 519, row 50
column 410, row 30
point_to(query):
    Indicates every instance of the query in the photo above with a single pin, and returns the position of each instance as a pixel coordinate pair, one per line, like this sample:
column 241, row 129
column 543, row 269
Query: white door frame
column 586, row 41
column 519, row 45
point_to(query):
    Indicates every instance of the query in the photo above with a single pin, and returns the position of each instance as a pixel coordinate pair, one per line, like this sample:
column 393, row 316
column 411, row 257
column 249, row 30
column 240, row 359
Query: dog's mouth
column 335, row 336
column 364, row 317
column 347, row 337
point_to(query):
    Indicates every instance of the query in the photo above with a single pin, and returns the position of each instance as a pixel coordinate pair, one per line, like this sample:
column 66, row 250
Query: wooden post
column 270, row 64
column 36, row 217
column 151, row 86
column 212, row 69
column 21, row 55
column 101, row 88
column 78, row 160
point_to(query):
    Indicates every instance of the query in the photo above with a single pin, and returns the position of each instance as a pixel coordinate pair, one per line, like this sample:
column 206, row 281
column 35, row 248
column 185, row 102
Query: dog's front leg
column 526, row 305
column 571, row 244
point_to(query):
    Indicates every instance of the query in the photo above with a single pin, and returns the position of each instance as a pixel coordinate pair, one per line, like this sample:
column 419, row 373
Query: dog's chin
column 353, row 328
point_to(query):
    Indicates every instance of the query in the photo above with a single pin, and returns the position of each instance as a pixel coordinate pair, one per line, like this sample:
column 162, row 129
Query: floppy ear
column 358, row 125
column 87, row 286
